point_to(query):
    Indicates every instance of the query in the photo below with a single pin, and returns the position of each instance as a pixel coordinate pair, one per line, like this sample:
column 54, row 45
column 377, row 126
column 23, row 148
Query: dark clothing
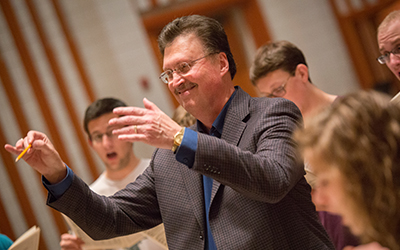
column 340, row 234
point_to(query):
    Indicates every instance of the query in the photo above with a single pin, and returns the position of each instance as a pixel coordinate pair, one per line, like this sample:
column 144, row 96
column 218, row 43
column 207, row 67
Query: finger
column 70, row 245
column 129, row 111
column 34, row 136
column 128, row 116
column 69, row 241
column 134, row 130
column 132, row 137
column 126, row 121
column 19, row 146
column 149, row 105
column 19, row 143
column 67, row 236
column 11, row 149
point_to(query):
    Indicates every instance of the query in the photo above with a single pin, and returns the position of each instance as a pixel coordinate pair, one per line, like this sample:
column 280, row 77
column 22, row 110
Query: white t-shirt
column 108, row 187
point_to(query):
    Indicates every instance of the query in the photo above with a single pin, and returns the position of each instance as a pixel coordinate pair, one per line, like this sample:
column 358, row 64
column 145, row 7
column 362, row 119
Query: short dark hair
column 276, row 55
column 99, row 108
column 207, row 29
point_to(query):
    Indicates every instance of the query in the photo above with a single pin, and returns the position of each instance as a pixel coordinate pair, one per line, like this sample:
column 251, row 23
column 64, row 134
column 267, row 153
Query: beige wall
column 311, row 25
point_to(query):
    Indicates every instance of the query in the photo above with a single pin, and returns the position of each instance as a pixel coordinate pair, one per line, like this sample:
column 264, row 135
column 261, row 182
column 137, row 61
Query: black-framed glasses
column 385, row 58
column 182, row 69
column 279, row 91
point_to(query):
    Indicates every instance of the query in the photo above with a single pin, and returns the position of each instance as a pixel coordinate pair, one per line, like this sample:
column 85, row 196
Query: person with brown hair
column 353, row 147
column 122, row 166
column 279, row 69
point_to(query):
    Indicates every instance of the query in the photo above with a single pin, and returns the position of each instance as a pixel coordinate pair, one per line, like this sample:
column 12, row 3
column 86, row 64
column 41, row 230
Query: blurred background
column 57, row 56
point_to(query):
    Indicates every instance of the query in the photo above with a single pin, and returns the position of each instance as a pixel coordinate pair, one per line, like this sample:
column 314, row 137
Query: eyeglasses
column 385, row 58
column 98, row 138
column 279, row 91
column 182, row 69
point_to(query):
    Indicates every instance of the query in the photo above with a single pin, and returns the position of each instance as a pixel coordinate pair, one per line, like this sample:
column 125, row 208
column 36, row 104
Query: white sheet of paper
column 28, row 240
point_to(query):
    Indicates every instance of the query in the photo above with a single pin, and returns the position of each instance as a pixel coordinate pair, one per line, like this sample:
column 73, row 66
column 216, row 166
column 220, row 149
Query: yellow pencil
column 23, row 152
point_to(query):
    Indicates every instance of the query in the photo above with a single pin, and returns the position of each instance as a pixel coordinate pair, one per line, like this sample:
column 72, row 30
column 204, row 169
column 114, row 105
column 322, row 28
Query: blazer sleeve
column 133, row 209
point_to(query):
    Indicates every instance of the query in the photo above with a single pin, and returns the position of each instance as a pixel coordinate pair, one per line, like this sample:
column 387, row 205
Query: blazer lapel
column 194, row 187
column 234, row 125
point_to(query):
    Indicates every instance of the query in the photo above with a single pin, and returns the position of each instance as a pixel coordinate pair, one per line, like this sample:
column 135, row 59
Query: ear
column 224, row 63
column 302, row 72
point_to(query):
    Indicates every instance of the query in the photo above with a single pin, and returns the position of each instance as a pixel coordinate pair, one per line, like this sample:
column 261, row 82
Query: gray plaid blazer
column 260, row 199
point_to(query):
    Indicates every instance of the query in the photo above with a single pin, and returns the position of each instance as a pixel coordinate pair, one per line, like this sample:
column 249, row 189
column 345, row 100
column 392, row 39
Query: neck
column 121, row 173
column 316, row 100
column 212, row 112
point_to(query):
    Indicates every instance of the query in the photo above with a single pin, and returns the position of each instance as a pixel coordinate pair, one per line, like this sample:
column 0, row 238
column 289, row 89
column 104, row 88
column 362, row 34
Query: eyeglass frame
column 98, row 137
column 383, row 59
column 164, row 75
column 280, row 88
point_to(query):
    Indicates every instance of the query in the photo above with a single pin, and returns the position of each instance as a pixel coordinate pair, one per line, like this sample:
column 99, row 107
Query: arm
column 78, row 201
column 133, row 209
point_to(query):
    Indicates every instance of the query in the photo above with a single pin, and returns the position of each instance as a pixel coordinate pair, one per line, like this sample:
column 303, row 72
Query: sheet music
column 28, row 240
column 156, row 234
column 396, row 98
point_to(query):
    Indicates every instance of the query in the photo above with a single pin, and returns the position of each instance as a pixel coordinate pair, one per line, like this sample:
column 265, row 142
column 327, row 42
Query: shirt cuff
column 58, row 189
column 186, row 152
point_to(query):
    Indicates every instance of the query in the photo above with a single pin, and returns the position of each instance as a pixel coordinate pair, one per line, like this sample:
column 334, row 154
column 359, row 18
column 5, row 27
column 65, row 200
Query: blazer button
column 201, row 237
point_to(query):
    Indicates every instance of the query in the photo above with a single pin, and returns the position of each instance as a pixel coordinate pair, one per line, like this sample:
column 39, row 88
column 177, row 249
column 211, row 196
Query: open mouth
column 111, row 155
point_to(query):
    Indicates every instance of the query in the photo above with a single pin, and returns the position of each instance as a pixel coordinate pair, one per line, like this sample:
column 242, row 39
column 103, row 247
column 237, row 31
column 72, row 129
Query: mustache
column 184, row 86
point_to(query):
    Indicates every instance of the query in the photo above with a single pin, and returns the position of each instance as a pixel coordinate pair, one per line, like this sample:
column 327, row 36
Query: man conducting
column 232, row 181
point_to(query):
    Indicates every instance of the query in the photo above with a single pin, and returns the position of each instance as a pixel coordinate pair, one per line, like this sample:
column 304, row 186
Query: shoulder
column 277, row 101
column 99, row 182
column 143, row 164
column 144, row 161
column 5, row 242
column 274, row 105
column 244, row 107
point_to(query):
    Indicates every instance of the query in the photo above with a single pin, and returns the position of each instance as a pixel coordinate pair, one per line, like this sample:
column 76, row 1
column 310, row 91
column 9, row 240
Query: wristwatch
column 178, row 139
